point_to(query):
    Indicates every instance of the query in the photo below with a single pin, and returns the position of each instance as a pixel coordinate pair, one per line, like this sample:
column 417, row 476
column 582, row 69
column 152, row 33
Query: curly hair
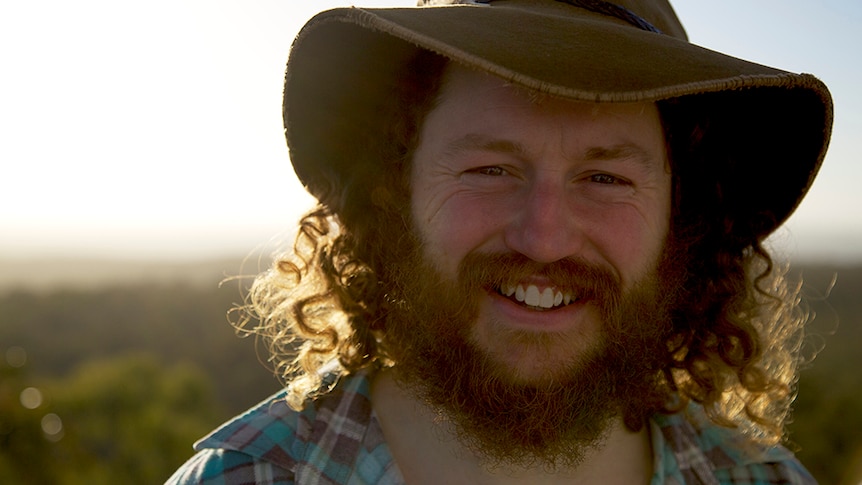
column 738, row 327
column 736, row 330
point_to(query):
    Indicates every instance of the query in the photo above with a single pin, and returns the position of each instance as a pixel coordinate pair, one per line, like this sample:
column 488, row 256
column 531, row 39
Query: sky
column 152, row 129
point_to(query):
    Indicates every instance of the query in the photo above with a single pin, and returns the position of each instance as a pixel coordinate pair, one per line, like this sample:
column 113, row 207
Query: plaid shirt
column 338, row 440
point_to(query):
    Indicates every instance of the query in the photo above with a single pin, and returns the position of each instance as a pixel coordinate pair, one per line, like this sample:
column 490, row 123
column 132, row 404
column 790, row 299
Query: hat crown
column 657, row 14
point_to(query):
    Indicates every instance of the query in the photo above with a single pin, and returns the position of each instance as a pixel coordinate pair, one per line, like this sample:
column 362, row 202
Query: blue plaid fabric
column 338, row 440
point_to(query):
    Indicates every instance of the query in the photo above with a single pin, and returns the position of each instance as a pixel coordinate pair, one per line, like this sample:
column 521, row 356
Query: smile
column 530, row 296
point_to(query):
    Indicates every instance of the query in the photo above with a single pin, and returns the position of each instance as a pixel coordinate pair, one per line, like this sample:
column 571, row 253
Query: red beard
column 552, row 420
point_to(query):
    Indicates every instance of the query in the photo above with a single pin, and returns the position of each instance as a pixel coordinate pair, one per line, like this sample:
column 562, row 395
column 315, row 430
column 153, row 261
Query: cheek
column 453, row 228
column 632, row 241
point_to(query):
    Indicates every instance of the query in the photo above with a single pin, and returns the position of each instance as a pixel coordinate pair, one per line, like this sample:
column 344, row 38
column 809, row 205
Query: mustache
column 493, row 271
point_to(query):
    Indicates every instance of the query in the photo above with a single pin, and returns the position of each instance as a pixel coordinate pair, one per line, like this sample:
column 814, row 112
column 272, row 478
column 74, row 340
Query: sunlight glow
column 153, row 129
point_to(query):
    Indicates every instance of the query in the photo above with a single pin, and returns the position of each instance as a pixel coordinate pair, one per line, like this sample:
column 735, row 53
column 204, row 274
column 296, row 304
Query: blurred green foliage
column 826, row 431
column 122, row 420
column 121, row 381
column 134, row 374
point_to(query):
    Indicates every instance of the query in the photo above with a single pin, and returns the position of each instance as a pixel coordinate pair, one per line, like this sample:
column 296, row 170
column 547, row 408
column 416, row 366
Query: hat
column 343, row 62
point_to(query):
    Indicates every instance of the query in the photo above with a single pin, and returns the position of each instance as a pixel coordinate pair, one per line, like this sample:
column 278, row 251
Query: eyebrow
column 627, row 151
column 481, row 142
column 619, row 152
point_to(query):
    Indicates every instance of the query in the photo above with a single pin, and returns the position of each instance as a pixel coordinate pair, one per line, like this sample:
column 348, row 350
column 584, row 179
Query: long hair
column 738, row 327
column 736, row 330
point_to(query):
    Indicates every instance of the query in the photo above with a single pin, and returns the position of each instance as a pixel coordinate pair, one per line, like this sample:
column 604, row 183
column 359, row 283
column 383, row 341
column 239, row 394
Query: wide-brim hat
column 342, row 64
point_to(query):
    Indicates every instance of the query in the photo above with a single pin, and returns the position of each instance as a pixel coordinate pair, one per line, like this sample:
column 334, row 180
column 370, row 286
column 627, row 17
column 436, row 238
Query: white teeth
column 533, row 297
column 548, row 298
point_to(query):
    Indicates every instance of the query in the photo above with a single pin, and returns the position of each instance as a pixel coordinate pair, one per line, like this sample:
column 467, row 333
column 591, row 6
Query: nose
column 545, row 228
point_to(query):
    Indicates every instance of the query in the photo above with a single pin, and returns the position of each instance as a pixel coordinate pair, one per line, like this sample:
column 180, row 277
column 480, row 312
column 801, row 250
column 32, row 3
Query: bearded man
column 538, row 254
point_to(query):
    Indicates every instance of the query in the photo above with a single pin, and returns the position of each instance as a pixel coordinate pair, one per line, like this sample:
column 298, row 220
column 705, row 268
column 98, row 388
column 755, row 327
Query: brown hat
column 343, row 60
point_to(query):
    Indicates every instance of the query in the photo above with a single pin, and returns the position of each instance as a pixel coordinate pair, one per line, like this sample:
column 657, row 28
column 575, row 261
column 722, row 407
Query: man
column 537, row 256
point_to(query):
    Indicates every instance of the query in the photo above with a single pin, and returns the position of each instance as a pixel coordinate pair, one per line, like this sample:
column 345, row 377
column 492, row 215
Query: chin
column 532, row 358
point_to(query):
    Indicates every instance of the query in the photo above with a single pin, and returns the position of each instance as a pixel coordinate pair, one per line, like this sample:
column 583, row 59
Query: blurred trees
column 177, row 323
column 129, row 378
column 127, row 419
column 133, row 414
column 21, row 435
column 827, row 417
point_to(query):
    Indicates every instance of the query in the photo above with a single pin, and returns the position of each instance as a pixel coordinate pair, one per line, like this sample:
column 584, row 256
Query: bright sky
column 152, row 129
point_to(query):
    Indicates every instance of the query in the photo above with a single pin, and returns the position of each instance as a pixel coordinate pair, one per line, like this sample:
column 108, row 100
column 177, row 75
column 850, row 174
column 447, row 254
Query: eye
column 493, row 170
column 603, row 178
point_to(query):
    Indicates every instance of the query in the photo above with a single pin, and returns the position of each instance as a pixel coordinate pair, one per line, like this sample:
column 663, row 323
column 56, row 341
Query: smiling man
column 537, row 256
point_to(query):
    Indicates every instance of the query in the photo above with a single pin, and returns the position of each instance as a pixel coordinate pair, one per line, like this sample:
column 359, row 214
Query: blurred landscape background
column 110, row 371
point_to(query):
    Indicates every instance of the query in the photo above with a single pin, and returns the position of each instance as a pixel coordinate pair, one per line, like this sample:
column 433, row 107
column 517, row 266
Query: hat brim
column 343, row 61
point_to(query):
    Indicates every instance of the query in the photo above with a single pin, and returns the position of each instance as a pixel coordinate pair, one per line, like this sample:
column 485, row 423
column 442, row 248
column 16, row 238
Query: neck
column 427, row 450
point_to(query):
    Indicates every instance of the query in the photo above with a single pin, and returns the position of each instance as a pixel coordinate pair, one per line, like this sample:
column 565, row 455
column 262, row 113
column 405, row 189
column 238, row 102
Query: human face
column 499, row 171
